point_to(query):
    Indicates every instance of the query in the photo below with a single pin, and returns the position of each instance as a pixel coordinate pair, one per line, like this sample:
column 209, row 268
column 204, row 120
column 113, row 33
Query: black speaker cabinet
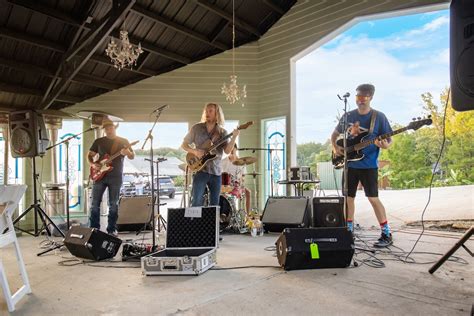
column 91, row 243
column 462, row 54
column 328, row 212
column 315, row 248
column 28, row 134
column 134, row 213
column 283, row 212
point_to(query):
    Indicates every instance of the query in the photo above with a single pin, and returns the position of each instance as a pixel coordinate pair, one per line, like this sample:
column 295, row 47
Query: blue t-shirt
column 371, row 152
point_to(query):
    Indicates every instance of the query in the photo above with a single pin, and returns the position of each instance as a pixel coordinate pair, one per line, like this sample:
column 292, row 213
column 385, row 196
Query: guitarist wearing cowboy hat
column 109, row 144
column 210, row 128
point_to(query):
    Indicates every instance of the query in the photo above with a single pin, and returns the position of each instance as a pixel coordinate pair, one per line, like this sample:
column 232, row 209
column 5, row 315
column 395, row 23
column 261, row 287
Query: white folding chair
column 10, row 196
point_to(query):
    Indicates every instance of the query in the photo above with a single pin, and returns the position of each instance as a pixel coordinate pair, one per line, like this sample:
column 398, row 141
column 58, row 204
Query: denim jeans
column 200, row 180
column 113, row 184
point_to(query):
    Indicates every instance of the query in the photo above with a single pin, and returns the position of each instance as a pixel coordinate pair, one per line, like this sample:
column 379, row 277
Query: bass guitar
column 105, row 164
column 195, row 163
column 355, row 145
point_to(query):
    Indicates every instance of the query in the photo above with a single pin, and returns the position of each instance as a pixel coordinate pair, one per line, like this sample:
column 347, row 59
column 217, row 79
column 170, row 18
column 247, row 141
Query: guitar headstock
column 245, row 126
column 419, row 122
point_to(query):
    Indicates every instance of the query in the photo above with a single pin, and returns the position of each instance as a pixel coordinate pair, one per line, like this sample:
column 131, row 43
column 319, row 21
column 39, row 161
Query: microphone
column 346, row 95
column 161, row 108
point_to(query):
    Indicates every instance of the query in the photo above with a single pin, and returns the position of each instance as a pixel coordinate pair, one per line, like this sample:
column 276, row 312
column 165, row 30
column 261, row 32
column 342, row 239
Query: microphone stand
column 152, row 173
column 344, row 142
column 160, row 218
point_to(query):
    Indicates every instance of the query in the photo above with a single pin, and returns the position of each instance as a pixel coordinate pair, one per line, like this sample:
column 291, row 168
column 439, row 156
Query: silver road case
column 191, row 242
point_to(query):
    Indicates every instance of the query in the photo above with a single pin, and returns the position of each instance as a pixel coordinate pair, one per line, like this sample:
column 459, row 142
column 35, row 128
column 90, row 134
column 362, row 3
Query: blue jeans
column 200, row 180
column 98, row 189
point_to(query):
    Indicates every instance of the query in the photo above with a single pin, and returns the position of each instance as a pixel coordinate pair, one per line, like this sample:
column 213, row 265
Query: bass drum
column 226, row 210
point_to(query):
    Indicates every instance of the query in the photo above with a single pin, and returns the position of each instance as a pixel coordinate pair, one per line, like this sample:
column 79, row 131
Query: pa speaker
column 91, row 243
column 134, row 213
column 462, row 54
column 315, row 248
column 28, row 135
column 328, row 212
column 283, row 212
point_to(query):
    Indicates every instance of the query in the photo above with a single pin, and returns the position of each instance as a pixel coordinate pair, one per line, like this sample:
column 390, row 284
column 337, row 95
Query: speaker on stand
column 29, row 138
column 462, row 54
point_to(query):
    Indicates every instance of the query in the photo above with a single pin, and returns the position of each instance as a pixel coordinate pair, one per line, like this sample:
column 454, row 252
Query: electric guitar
column 355, row 145
column 196, row 164
column 105, row 164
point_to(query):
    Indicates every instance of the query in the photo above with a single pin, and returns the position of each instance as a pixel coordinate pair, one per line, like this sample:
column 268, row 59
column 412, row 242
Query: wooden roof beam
column 118, row 11
column 155, row 17
column 228, row 16
column 274, row 7
column 7, row 87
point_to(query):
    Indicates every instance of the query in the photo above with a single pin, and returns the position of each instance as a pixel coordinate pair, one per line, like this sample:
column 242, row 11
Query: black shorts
column 367, row 177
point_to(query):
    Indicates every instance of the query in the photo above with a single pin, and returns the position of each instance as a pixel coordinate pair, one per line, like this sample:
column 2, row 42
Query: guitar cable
column 433, row 173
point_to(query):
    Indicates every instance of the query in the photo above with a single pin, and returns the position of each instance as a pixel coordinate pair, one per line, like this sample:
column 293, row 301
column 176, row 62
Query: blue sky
column 403, row 57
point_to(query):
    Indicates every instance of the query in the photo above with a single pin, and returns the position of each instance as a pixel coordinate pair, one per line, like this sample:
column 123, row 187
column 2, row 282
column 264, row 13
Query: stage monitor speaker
column 134, row 213
column 462, row 54
column 28, row 134
column 91, row 243
column 315, row 248
column 328, row 212
column 283, row 212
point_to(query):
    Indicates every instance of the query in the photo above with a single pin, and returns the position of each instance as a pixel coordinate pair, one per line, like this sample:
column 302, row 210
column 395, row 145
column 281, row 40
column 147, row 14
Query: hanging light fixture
column 123, row 54
column 232, row 92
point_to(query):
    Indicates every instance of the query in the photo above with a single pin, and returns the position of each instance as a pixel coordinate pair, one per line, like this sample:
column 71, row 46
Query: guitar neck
column 366, row 143
column 219, row 142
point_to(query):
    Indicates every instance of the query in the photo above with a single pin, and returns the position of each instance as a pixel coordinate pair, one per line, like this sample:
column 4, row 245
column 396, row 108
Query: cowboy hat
column 107, row 121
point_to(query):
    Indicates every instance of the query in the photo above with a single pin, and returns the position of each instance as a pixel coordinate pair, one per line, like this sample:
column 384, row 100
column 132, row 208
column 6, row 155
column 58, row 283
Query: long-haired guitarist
column 110, row 144
column 365, row 119
column 210, row 128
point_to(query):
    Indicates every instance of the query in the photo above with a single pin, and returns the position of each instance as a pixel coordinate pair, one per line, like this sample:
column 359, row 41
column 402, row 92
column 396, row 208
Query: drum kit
column 233, row 198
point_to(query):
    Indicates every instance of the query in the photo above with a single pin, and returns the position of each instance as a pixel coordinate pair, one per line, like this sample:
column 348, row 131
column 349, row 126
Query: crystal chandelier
column 123, row 54
column 232, row 92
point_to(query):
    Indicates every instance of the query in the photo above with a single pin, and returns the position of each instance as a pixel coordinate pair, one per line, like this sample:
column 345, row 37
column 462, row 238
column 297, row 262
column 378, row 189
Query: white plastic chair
column 10, row 196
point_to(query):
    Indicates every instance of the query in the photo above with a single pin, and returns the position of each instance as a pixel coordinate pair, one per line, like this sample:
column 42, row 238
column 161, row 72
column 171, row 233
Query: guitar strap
column 372, row 121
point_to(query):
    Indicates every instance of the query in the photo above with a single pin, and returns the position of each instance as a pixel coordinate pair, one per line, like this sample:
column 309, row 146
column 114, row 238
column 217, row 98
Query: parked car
column 128, row 186
column 167, row 186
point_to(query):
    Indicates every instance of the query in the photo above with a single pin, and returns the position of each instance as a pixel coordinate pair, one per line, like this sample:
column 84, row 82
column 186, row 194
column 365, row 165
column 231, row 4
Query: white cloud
column 401, row 67
column 430, row 26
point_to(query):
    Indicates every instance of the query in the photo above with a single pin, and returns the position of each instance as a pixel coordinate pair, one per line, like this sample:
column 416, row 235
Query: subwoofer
column 462, row 54
column 315, row 248
column 283, row 212
column 28, row 134
column 134, row 213
column 91, row 243
column 328, row 212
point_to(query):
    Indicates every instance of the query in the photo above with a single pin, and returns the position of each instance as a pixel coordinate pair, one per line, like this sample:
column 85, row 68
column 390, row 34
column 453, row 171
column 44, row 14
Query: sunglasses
column 362, row 97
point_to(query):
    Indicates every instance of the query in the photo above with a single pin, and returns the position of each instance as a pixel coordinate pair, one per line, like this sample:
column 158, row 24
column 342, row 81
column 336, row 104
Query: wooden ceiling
column 52, row 52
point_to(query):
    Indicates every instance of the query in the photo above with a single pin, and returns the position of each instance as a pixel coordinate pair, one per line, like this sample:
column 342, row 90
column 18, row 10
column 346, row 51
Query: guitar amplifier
column 134, row 213
column 315, row 248
column 282, row 212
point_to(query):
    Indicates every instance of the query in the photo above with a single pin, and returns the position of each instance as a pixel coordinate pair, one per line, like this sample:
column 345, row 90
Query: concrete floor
column 397, row 289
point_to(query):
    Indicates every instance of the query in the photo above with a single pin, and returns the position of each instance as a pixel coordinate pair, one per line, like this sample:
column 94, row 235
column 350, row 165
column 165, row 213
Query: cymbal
column 244, row 161
column 253, row 174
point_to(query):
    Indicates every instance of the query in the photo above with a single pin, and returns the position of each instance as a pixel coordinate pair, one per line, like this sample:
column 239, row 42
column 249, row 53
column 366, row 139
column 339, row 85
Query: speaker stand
column 38, row 211
column 459, row 243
